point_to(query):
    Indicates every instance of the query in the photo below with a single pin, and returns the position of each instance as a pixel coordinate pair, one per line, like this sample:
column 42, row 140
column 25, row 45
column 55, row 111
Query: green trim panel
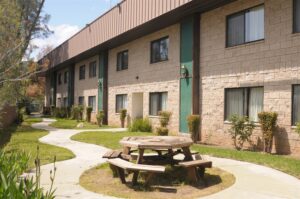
column 101, row 80
column 186, row 60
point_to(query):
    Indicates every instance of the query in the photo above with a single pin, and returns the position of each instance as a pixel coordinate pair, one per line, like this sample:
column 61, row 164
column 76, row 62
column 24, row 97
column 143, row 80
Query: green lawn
column 283, row 163
column 106, row 139
column 25, row 138
column 72, row 124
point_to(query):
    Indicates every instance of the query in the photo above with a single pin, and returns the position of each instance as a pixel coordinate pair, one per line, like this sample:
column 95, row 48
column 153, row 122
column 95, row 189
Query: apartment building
column 214, row 58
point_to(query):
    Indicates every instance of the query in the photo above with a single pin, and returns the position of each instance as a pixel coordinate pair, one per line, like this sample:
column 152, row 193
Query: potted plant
column 100, row 116
column 193, row 124
column 123, row 115
column 164, row 118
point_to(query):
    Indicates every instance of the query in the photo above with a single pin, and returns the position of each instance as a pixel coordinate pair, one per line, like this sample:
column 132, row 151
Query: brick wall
column 272, row 63
column 143, row 77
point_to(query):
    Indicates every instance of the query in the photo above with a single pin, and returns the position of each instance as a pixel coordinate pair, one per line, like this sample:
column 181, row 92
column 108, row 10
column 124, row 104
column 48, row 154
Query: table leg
column 187, row 154
column 139, row 161
column 126, row 150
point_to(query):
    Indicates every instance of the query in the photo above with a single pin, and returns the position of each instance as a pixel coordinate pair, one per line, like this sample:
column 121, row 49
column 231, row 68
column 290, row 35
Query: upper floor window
column 296, row 105
column 93, row 69
column 296, row 17
column 158, row 102
column 66, row 77
column 59, row 79
column 246, row 26
column 92, row 102
column 82, row 72
column 122, row 60
column 159, row 50
column 244, row 102
column 121, row 102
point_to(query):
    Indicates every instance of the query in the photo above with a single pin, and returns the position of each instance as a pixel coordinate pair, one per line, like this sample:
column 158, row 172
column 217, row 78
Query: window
column 244, row 102
column 122, row 60
column 159, row 50
column 296, row 14
column 59, row 79
column 65, row 102
column 92, row 102
column 66, row 77
column 158, row 102
column 121, row 103
column 296, row 104
column 246, row 26
column 82, row 72
column 81, row 100
column 93, row 69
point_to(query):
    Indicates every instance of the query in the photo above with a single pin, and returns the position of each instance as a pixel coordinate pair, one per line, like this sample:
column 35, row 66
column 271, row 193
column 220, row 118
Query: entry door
column 186, row 70
column 137, row 105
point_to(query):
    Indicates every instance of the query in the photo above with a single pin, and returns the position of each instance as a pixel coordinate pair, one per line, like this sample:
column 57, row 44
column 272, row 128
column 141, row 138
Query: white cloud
column 60, row 34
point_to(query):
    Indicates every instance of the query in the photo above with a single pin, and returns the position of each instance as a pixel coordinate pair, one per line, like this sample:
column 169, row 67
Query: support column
column 102, row 84
column 71, row 84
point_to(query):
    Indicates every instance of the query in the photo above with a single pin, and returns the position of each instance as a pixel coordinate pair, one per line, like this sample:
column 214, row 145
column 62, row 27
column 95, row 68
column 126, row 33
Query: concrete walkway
column 252, row 181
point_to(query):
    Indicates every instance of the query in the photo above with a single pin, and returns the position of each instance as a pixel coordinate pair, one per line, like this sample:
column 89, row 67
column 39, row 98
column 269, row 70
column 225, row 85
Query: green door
column 186, row 62
column 101, row 81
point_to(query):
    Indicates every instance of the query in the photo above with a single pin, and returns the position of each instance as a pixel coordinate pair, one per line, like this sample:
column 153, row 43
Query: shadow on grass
column 5, row 135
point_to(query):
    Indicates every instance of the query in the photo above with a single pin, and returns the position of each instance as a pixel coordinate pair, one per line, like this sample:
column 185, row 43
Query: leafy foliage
column 77, row 112
column 193, row 124
column 141, row 125
column 298, row 128
column 12, row 186
column 268, row 121
column 123, row 115
column 162, row 131
column 241, row 130
column 100, row 116
column 164, row 118
column 89, row 113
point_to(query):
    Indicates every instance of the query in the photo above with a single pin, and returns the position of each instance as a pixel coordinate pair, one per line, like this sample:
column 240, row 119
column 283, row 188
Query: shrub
column 12, row 186
column 162, row 131
column 20, row 115
column 268, row 121
column 141, row 125
column 100, row 116
column 240, row 131
column 123, row 115
column 193, row 124
column 164, row 118
column 77, row 112
column 89, row 113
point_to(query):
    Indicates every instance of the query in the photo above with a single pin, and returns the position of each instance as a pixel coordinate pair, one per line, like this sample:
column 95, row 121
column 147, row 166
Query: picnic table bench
column 120, row 165
column 196, row 169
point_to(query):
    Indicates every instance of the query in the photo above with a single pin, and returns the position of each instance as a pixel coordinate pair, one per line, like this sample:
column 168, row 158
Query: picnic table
column 166, row 148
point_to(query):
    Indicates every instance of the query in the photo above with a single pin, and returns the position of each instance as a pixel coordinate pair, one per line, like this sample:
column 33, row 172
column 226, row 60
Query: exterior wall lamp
column 184, row 72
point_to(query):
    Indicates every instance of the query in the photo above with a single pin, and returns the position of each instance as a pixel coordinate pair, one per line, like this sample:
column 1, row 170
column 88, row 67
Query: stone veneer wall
column 157, row 77
column 88, row 86
column 272, row 63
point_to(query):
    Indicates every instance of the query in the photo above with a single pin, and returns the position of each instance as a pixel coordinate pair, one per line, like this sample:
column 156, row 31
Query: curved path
column 252, row 181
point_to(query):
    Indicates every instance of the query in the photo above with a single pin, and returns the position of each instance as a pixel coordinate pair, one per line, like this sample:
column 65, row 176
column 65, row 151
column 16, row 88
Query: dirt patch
column 169, row 185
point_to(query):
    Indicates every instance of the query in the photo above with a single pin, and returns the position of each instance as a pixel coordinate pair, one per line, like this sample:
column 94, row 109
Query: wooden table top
column 156, row 142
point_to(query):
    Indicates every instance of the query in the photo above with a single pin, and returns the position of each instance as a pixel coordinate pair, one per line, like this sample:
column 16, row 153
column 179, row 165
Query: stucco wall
column 272, row 63
column 143, row 77
column 88, row 86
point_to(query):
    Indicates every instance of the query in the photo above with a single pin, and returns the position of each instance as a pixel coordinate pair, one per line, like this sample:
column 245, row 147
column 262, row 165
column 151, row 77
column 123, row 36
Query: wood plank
column 135, row 167
column 203, row 163
column 108, row 154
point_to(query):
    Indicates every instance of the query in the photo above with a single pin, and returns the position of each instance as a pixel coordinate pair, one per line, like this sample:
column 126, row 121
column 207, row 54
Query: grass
column 283, row 163
column 106, row 139
column 72, row 124
column 25, row 138
column 171, row 184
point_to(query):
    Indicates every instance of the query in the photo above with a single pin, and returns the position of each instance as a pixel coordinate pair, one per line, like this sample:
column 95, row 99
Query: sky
column 68, row 17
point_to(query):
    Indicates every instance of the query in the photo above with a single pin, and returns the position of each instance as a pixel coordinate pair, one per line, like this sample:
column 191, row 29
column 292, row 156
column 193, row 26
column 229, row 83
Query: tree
column 20, row 22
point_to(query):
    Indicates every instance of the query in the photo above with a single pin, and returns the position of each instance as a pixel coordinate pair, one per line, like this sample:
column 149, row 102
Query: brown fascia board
column 167, row 19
